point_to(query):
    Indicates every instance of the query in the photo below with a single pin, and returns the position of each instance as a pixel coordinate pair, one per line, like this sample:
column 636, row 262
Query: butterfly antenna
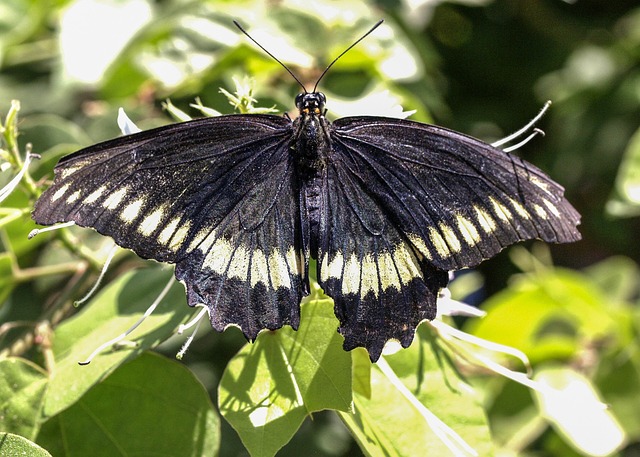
column 271, row 55
column 377, row 24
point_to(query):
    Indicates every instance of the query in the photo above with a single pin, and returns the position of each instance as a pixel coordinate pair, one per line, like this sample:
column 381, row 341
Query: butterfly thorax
column 310, row 143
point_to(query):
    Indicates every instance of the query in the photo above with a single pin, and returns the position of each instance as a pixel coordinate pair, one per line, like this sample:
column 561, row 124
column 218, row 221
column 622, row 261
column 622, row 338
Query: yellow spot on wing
column 278, row 270
column 207, row 237
column 439, row 243
column 96, row 194
column 198, row 239
column 166, row 233
column 73, row 197
column 132, row 210
column 351, row 276
column 259, row 269
column 541, row 184
column 295, row 261
column 369, row 275
column 501, row 211
column 388, row 272
column 553, row 208
column 218, row 256
column 152, row 221
column 468, row 231
column 450, row 237
column 225, row 258
column 406, row 263
column 486, row 221
column 69, row 171
column 115, row 198
column 420, row 245
column 237, row 262
column 540, row 211
column 332, row 269
column 239, row 265
column 60, row 192
column 521, row 210
column 181, row 234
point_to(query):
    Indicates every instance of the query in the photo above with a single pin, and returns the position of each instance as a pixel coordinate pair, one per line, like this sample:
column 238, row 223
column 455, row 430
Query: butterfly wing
column 457, row 200
column 214, row 196
column 407, row 202
column 381, row 287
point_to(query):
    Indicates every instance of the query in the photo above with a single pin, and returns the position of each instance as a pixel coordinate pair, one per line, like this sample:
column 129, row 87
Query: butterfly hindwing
column 249, row 270
column 213, row 196
column 381, row 287
column 456, row 199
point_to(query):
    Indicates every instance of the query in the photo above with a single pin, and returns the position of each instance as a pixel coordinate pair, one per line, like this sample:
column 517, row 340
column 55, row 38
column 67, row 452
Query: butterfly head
column 311, row 103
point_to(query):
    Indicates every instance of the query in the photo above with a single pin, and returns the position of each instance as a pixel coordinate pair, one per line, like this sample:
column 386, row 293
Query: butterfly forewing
column 456, row 199
column 194, row 194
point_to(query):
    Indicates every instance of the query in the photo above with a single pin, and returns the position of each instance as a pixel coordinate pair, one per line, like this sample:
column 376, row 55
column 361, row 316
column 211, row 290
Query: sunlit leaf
column 149, row 406
column 388, row 423
column 574, row 408
column 269, row 387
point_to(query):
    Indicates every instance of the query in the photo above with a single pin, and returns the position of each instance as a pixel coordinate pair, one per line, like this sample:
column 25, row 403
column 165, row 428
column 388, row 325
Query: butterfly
column 241, row 203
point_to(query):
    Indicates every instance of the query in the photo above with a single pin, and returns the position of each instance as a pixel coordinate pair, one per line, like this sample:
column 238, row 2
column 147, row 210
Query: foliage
column 577, row 325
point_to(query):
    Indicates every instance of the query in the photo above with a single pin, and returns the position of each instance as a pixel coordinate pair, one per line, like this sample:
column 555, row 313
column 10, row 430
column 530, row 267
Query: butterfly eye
column 299, row 100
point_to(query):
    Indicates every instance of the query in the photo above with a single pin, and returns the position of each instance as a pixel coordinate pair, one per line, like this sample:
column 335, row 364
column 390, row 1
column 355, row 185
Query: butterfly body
column 241, row 203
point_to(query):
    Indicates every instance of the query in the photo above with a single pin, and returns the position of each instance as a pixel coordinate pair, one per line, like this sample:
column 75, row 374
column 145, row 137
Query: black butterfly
column 240, row 203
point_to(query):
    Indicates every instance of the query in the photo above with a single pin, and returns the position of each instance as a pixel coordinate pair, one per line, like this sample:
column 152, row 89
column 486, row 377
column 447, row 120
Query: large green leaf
column 112, row 312
column 22, row 389
column 149, row 406
column 269, row 387
column 394, row 420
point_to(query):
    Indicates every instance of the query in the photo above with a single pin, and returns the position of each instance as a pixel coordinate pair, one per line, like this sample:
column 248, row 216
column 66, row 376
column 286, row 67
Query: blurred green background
column 481, row 67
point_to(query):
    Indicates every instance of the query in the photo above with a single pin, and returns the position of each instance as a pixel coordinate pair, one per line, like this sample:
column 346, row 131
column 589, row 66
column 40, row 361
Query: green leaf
column 22, row 390
column 547, row 315
column 361, row 372
column 390, row 423
column 149, row 406
column 14, row 445
column 269, row 387
column 111, row 313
